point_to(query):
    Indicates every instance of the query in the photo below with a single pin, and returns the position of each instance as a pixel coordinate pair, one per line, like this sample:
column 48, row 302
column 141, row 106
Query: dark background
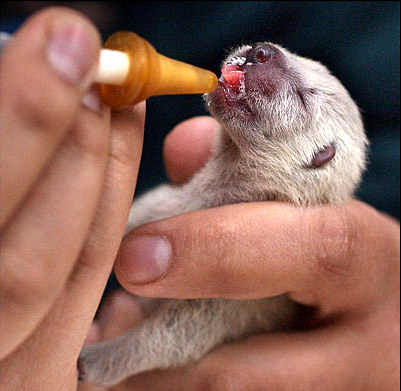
column 358, row 41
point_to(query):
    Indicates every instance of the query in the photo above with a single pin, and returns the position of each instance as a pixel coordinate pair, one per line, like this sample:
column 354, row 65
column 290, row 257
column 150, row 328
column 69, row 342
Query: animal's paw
column 94, row 367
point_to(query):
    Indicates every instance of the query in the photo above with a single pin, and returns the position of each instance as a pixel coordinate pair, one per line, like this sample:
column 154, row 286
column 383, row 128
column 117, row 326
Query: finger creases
column 91, row 272
column 257, row 250
column 46, row 235
column 40, row 97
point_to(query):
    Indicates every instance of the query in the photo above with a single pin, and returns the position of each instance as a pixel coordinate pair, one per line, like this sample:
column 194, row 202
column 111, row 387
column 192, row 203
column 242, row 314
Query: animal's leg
column 162, row 202
column 181, row 331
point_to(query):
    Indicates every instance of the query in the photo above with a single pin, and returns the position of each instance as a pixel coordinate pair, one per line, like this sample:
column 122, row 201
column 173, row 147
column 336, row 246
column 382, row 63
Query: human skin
column 67, row 169
column 50, row 298
column 341, row 260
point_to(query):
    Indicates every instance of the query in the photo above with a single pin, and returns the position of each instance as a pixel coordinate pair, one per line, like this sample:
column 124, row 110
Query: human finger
column 188, row 146
column 92, row 270
column 44, row 238
column 74, row 309
column 45, row 70
column 330, row 256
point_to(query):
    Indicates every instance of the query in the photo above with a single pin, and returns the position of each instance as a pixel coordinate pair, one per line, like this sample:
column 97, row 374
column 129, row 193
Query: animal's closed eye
column 305, row 95
column 301, row 97
column 323, row 156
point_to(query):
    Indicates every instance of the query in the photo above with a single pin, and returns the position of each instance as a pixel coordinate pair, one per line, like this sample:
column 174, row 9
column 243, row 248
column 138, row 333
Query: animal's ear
column 323, row 156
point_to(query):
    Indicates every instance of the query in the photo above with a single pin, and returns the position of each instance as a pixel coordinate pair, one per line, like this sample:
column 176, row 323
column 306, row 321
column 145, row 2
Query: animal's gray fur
column 262, row 156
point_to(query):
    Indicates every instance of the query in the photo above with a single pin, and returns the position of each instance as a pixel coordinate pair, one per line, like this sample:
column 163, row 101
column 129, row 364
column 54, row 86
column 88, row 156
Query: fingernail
column 144, row 259
column 70, row 52
column 92, row 100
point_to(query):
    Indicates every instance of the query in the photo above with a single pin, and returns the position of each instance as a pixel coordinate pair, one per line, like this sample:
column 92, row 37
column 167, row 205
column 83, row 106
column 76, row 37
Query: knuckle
column 122, row 154
column 334, row 235
column 90, row 138
column 92, row 147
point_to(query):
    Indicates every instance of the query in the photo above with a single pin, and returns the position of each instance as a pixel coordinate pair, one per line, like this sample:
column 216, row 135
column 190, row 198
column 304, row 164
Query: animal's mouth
column 232, row 85
column 249, row 72
column 234, row 77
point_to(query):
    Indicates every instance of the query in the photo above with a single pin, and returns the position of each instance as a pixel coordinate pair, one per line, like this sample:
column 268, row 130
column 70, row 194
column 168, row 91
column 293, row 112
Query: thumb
column 322, row 255
column 45, row 70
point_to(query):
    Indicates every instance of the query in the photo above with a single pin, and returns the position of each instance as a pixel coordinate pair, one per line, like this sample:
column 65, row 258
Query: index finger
column 45, row 70
column 330, row 256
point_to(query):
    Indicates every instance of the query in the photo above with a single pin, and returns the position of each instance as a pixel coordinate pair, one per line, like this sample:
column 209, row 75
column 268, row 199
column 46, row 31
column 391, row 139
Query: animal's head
column 293, row 109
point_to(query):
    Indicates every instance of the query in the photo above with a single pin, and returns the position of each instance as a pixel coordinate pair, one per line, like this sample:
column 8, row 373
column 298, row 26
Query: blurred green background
column 358, row 41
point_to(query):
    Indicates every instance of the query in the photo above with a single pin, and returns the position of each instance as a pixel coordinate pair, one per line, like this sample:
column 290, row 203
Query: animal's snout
column 261, row 52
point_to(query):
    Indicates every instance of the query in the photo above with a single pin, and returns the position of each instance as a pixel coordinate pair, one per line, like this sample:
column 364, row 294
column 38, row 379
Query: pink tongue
column 233, row 75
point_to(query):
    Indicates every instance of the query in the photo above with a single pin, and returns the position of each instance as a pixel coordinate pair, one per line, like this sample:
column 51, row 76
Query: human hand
column 68, row 174
column 342, row 260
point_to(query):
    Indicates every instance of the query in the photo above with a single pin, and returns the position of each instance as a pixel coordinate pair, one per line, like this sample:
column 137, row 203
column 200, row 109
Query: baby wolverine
column 289, row 131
